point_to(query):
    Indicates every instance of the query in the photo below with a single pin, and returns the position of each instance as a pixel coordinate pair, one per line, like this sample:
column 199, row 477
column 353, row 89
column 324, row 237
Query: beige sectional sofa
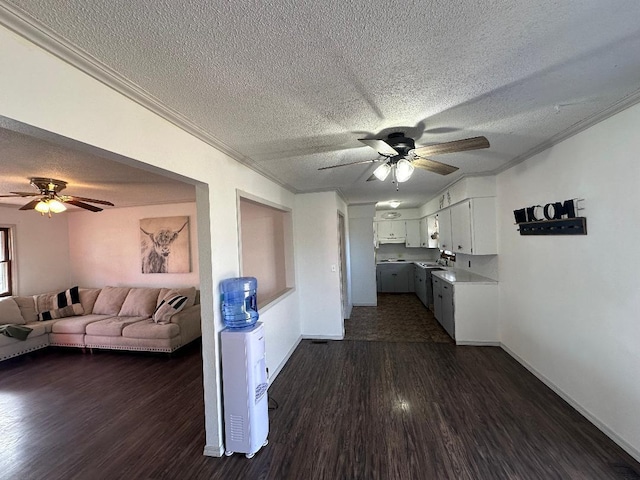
column 114, row 318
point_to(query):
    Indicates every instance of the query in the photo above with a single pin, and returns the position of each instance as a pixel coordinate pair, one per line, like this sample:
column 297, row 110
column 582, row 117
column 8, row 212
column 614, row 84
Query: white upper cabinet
column 391, row 231
column 469, row 227
column 432, row 231
column 444, row 235
column 461, row 228
column 424, row 233
column 412, row 228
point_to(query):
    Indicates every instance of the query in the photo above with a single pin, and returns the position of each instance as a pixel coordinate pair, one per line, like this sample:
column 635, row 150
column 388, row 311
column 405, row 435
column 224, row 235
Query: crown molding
column 617, row 107
column 39, row 34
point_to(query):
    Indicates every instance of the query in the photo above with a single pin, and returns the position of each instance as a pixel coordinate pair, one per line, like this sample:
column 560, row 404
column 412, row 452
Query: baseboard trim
column 274, row 374
column 630, row 449
column 213, row 450
column 463, row 343
column 323, row 337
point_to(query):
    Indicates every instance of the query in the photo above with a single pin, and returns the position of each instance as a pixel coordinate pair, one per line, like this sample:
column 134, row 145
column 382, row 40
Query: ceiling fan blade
column 474, row 143
column 347, row 164
column 86, row 206
column 379, row 146
column 433, row 166
column 31, row 205
column 21, row 194
column 67, row 198
column 372, row 178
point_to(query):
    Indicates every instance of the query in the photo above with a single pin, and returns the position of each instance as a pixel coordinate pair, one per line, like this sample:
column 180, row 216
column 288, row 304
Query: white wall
column 41, row 249
column 362, row 256
column 569, row 305
column 316, row 240
column 48, row 93
column 104, row 247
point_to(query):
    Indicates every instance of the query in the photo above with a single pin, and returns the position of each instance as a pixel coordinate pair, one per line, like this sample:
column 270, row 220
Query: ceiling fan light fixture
column 404, row 170
column 394, row 203
column 42, row 207
column 382, row 171
column 56, row 206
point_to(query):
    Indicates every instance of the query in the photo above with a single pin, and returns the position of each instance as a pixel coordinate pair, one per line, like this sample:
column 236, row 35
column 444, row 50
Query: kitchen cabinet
column 395, row 277
column 412, row 229
column 424, row 233
column 443, row 305
column 445, row 241
column 420, row 283
column 432, row 231
column 469, row 227
column 465, row 305
column 429, row 231
column 391, row 231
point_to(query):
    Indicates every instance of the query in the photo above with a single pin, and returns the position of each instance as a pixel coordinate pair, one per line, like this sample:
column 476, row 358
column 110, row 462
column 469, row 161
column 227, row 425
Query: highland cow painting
column 165, row 245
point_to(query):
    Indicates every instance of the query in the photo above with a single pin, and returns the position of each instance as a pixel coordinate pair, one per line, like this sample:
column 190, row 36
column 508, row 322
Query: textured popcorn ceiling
column 292, row 85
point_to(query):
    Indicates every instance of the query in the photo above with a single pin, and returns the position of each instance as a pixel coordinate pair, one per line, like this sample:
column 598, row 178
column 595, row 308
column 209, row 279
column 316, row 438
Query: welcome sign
column 554, row 218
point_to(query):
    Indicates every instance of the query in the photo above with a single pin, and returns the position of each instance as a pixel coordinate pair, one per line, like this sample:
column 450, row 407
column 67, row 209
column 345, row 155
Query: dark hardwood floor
column 346, row 410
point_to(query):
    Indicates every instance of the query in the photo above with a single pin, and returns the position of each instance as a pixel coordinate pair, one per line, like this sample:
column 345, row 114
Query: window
column 6, row 283
column 266, row 236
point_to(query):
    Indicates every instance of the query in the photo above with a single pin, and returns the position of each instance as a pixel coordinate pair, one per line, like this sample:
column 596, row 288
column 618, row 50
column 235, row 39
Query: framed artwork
column 165, row 245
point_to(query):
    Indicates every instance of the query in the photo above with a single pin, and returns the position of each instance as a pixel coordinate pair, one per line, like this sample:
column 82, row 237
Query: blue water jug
column 239, row 301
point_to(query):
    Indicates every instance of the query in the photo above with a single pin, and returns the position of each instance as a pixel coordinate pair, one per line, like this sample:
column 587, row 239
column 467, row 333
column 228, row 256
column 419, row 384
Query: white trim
column 464, row 343
column 631, row 450
column 213, row 450
column 323, row 337
column 274, row 374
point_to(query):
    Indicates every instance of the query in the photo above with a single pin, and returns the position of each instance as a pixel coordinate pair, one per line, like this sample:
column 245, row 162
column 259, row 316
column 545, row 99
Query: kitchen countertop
column 456, row 275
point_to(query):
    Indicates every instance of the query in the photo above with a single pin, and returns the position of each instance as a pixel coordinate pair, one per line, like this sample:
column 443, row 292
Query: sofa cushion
column 76, row 324
column 112, row 327
column 110, row 300
column 27, row 308
column 10, row 312
column 189, row 292
column 169, row 307
column 37, row 330
column 88, row 298
column 139, row 302
column 44, row 301
column 68, row 311
column 149, row 329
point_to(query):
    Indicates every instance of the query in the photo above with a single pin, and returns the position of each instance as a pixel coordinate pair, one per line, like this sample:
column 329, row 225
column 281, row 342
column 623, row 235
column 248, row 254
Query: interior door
column 342, row 247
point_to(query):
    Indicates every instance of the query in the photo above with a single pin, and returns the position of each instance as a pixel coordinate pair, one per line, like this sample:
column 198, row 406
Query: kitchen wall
column 317, row 261
column 105, row 247
column 363, row 257
column 387, row 251
column 43, row 91
column 41, row 250
column 569, row 304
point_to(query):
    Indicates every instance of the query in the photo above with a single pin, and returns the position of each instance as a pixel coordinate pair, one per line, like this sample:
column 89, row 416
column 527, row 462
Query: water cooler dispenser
column 244, row 386
column 244, row 369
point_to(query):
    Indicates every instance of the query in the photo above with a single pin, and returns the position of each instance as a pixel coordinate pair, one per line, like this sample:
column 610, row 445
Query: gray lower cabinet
column 443, row 305
column 421, row 285
column 395, row 277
